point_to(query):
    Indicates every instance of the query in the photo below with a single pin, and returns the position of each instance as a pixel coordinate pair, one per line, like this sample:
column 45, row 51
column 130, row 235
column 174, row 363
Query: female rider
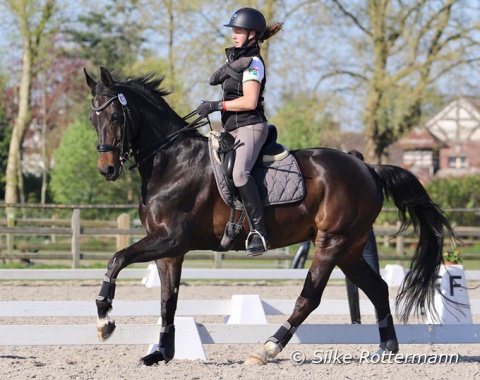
column 243, row 81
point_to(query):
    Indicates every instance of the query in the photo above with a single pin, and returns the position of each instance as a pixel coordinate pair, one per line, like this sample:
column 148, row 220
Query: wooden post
column 123, row 222
column 76, row 238
column 53, row 237
column 10, row 224
column 400, row 243
column 217, row 259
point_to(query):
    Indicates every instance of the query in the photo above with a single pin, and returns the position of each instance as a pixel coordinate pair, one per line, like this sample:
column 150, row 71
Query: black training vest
column 233, row 89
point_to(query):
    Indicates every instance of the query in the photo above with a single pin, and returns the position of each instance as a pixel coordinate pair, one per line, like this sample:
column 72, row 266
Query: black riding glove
column 208, row 106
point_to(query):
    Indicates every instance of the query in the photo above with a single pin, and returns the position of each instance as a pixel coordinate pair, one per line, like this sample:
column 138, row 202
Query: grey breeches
column 250, row 140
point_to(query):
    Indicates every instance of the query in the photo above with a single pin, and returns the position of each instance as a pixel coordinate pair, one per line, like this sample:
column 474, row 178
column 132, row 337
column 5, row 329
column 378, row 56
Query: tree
column 111, row 37
column 302, row 121
column 191, row 38
column 75, row 179
column 5, row 136
column 5, row 130
column 58, row 96
column 401, row 49
column 457, row 193
column 33, row 20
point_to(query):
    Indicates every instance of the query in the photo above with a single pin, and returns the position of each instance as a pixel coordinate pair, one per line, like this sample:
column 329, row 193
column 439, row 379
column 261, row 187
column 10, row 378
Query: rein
column 195, row 124
column 125, row 149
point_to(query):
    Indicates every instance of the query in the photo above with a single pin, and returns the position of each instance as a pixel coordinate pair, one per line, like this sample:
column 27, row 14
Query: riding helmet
column 250, row 19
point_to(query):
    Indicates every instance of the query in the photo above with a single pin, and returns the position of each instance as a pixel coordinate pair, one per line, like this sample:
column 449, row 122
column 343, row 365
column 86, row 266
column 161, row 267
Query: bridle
column 125, row 151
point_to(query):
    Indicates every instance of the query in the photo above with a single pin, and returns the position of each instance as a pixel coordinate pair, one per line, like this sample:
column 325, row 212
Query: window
column 457, row 162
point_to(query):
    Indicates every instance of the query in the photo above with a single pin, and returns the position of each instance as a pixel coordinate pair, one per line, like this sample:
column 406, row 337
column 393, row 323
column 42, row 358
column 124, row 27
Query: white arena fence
column 245, row 317
column 148, row 274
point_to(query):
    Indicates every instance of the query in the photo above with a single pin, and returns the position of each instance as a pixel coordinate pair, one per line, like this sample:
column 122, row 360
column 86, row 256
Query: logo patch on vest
column 253, row 71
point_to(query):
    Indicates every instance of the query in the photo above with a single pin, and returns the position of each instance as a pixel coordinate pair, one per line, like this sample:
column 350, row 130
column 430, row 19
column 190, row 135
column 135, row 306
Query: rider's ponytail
column 271, row 30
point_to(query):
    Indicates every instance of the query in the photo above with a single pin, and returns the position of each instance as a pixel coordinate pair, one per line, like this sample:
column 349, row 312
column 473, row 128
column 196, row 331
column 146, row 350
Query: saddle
column 276, row 173
column 271, row 151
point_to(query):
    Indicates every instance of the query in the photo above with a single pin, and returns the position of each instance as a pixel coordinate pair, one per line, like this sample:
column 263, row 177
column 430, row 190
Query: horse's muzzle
column 109, row 165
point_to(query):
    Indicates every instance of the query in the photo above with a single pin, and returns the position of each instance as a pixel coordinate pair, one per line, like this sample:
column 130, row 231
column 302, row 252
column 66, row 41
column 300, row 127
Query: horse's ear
column 90, row 82
column 107, row 78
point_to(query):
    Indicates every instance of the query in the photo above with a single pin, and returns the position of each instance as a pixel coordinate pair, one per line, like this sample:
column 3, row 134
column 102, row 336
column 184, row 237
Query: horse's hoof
column 392, row 346
column 153, row 358
column 105, row 330
column 255, row 360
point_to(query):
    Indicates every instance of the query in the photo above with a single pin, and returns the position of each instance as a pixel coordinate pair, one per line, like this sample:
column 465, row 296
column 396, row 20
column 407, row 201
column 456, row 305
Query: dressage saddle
column 226, row 153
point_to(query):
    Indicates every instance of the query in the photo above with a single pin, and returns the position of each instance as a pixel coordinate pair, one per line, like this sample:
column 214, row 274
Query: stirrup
column 264, row 243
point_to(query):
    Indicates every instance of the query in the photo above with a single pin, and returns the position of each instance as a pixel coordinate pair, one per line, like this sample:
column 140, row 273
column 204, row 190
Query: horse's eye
column 114, row 117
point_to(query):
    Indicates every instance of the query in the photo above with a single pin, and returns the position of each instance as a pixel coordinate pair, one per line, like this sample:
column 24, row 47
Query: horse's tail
column 418, row 288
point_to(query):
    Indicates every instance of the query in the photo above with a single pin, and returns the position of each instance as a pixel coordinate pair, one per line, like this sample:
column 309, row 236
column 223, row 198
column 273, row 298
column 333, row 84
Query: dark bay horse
column 181, row 210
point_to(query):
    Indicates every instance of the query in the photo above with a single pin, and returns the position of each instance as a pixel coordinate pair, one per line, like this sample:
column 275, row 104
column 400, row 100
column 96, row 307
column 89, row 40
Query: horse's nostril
column 110, row 171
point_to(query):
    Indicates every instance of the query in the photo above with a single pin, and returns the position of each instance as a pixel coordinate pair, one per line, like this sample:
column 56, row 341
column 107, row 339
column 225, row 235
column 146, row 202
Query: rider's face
column 239, row 36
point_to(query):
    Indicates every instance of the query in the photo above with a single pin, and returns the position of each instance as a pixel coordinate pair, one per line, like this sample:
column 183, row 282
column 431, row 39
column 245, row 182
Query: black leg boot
column 257, row 241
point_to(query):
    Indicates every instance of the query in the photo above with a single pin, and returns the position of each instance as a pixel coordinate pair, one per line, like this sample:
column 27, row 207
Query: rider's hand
column 208, row 106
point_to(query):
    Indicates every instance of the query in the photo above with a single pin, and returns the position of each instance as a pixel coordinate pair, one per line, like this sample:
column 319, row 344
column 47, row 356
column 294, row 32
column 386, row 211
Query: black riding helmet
column 249, row 19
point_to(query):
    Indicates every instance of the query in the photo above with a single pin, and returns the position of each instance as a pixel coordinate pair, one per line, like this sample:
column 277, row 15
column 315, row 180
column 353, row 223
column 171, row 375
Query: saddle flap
column 278, row 181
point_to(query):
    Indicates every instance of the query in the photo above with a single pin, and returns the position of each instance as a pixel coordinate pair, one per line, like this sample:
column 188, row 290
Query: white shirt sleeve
column 256, row 71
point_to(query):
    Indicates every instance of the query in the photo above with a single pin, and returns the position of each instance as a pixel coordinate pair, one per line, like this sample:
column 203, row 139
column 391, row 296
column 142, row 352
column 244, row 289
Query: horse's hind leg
column 376, row 289
column 169, row 270
column 309, row 299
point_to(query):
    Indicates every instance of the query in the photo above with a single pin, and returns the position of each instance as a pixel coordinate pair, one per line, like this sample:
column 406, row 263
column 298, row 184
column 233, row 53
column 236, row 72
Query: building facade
column 448, row 144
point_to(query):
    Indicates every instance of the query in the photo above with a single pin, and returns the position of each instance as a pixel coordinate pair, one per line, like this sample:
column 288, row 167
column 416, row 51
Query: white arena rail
column 187, row 274
column 133, row 273
column 25, row 309
column 245, row 315
column 62, row 335
column 246, row 323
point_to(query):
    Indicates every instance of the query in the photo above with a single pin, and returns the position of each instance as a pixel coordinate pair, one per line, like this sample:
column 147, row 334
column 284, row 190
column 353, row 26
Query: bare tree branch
column 351, row 16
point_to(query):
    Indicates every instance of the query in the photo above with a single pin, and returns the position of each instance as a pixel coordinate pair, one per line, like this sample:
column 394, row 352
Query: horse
column 181, row 210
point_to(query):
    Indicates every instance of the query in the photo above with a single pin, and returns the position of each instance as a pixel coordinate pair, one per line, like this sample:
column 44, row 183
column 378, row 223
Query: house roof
column 473, row 101
column 419, row 138
column 457, row 121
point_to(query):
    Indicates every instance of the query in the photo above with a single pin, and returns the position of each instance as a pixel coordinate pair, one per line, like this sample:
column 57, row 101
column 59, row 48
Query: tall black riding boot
column 257, row 241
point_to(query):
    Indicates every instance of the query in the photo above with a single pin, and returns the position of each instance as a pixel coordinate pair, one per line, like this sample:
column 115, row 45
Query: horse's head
column 108, row 116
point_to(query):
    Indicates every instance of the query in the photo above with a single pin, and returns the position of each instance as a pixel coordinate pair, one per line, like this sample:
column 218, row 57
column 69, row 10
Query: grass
column 23, row 265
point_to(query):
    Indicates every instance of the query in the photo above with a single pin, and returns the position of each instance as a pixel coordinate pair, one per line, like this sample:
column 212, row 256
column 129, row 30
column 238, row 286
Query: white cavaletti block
column 394, row 274
column 152, row 280
column 451, row 301
column 247, row 309
column 188, row 344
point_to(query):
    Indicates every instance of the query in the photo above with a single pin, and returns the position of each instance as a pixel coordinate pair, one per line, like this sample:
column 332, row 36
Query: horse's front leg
column 309, row 299
column 151, row 247
column 105, row 325
column 169, row 270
